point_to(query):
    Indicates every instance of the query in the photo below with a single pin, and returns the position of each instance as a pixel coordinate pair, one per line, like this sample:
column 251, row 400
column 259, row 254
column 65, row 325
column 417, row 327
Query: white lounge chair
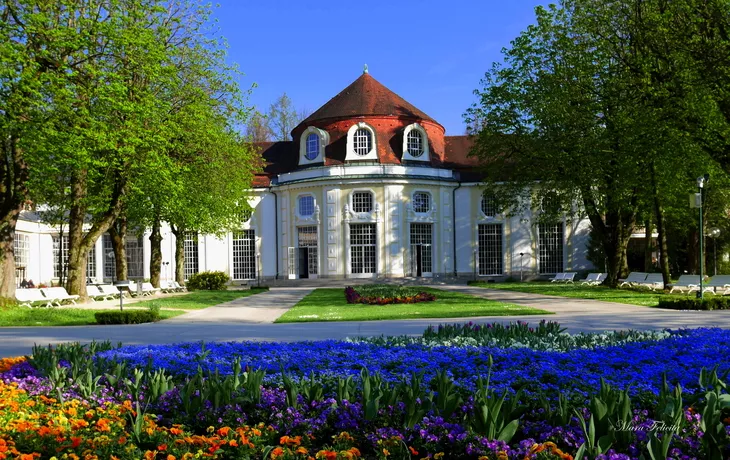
column 179, row 287
column 686, row 283
column 563, row 278
column 594, row 279
column 653, row 281
column 32, row 298
column 634, row 279
column 168, row 286
column 149, row 290
column 134, row 289
column 719, row 284
column 59, row 294
column 107, row 292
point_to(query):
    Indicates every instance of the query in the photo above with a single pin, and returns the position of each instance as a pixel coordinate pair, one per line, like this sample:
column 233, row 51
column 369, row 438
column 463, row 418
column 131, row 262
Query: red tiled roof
column 365, row 97
column 457, row 152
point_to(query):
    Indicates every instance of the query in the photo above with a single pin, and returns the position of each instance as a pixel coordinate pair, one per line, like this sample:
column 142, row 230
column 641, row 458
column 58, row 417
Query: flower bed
column 385, row 294
column 351, row 400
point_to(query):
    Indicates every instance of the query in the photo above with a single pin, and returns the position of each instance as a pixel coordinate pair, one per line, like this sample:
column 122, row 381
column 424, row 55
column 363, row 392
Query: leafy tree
column 257, row 128
column 564, row 117
column 282, row 118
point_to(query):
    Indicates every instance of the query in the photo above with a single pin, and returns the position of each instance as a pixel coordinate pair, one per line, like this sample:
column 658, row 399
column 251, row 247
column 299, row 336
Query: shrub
column 208, row 281
column 380, row 294
column 693, row 303
column 126, row 317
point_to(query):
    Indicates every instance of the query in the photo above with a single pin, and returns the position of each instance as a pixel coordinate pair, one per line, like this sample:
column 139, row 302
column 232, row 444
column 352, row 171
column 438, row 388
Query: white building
column 368, row 187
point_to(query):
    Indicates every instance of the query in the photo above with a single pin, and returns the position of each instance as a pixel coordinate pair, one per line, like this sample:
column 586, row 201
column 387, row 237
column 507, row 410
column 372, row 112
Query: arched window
column 489, row 205
column 362, row 142
column 306, row 205
column 312, row 147
column 421, row 202
column 415, row 143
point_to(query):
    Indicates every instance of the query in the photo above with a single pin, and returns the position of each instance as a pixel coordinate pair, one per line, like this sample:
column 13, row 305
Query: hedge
column 207, row 281
column 126, row 317
column 693, row 303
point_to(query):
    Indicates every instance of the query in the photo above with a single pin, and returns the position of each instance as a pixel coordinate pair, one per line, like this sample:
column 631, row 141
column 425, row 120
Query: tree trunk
column 179, row 254
column 13, row 192
column 649, row 246
column 80, row 244
column 155, row 253
column 118, row 233
column 77, row 251
column 661, row 230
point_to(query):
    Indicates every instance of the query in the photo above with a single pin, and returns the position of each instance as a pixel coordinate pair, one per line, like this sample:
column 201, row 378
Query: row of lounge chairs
column 56, row 296
column 593, row 279
column 719, row 284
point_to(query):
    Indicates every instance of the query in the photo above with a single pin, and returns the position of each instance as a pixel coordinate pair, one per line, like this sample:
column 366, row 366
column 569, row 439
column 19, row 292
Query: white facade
column 418, row 221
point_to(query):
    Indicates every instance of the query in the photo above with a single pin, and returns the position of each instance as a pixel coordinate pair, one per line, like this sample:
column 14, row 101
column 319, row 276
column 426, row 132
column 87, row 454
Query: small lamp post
column 714, row 233
column 521, row 265
column 476, row 251
column 121, row 285
column 701, row 181
column 166, row 264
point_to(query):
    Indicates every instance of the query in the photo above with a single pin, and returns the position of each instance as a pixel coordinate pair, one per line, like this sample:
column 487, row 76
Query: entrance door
column 418, row 259
column 303, row 262
column 421, row 249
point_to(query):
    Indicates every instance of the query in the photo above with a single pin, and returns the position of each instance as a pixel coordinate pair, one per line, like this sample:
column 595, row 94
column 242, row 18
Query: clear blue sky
column 432, row 53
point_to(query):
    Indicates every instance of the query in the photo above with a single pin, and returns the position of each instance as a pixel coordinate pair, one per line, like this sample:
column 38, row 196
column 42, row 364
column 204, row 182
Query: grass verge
column 628, row 296
column 329, row 304
column 198, row 300
column 23, row 316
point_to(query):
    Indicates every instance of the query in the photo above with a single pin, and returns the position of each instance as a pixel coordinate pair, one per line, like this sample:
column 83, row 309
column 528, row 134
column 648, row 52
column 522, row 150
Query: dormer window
column 312, row 144
column 361, row 143
column 312, row 147
column 415, row 143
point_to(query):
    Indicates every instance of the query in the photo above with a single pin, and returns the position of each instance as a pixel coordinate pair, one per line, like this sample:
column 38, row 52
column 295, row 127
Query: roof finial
column 365, row 70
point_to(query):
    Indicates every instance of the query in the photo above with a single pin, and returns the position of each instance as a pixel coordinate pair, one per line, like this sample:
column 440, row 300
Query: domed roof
column 366, row 97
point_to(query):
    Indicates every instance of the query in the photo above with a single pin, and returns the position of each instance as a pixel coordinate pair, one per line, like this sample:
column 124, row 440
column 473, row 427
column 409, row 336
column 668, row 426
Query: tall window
column 135, row 258
column 110, row 268
column 490, row 249
column 60, row 256
column 312, row 147
column 91, row 264
column 306, row 205
column 362, row 141
column 415, row 143
column 244, row 255
column 362, row 248
column 362, row 202
column 21, row 248
column 550, row 248
column 190, row 250
column 421, row 249
column 489, row 205
column 421, row 202
column 308, row 239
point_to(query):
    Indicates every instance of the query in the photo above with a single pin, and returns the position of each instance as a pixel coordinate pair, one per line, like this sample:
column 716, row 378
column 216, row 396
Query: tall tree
column 258, row 128
column 282, row 118
column 562, row 116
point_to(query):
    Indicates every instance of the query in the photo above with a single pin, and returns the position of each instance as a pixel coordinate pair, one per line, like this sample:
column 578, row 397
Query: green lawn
column 198, row 300
column 24, row 316
column 630, row 296
column 330, row 305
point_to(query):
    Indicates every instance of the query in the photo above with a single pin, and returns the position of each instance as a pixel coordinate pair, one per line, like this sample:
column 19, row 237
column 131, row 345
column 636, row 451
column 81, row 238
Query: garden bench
column 32, row 298
column 719, row 284
column 634, row 279
column 653, row 281
column 594, row 279
column 58, row 295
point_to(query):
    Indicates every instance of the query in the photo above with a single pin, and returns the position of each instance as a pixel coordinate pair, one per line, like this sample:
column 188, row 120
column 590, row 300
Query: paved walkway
column 248, row 319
